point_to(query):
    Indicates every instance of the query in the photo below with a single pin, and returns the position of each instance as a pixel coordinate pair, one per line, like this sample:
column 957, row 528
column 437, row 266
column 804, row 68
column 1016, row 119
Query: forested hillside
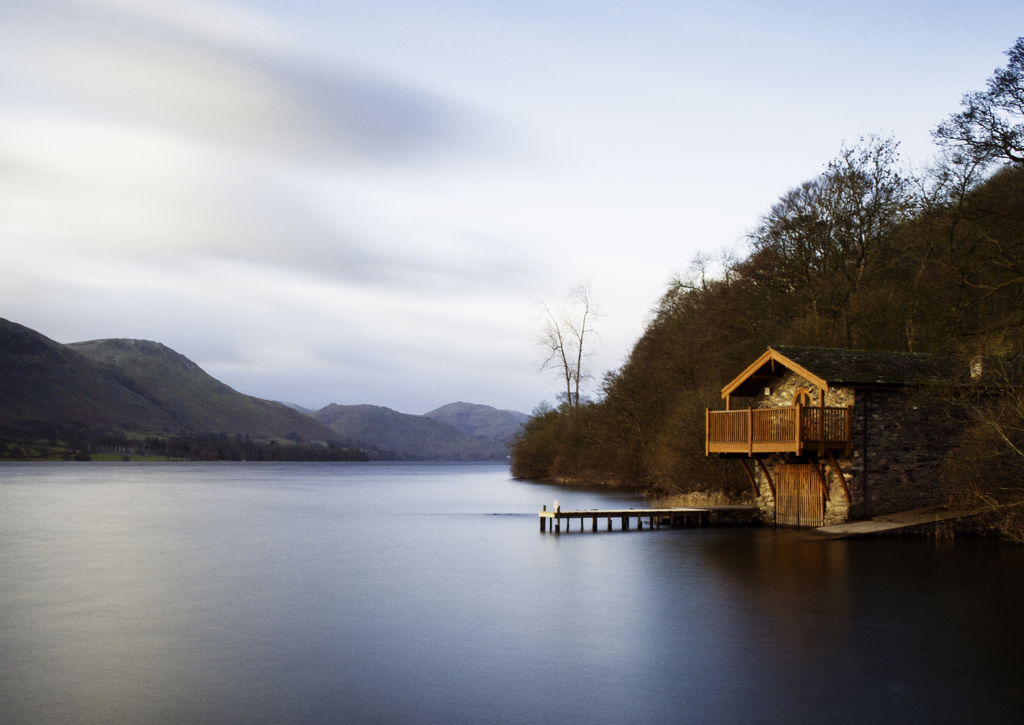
column 868, row 255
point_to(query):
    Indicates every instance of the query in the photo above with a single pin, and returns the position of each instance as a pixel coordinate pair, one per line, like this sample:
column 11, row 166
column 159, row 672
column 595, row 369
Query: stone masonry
column 902, row 438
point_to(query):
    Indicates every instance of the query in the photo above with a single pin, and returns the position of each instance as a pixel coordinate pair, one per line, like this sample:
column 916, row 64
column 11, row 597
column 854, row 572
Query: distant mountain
column 51, row 390
column 191, row 397
column 480, row 420
column 412, row 436
column 129, row 385
column 296, row 406
column 44, row 383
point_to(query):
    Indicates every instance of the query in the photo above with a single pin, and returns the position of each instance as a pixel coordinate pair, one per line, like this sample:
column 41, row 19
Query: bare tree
column 991, row 126
column 565, row 340
column 986, row 470
column 828, row 235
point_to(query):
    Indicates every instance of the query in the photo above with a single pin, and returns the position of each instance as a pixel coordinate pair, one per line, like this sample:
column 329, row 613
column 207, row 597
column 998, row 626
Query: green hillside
column 194, row 400
column 52, row 390
column 102, row 389
column 44, row 384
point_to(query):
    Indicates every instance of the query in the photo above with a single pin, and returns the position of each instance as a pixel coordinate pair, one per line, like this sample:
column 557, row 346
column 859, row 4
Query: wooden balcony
column 800, row 430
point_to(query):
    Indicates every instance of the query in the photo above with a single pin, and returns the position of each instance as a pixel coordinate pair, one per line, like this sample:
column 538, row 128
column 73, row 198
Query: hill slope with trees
column 867, row 255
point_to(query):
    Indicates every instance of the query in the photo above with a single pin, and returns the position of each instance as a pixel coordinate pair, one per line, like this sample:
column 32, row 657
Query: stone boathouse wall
column 898, row 436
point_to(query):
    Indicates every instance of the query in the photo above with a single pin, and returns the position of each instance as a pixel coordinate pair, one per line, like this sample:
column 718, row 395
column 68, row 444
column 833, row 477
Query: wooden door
column 799, row 500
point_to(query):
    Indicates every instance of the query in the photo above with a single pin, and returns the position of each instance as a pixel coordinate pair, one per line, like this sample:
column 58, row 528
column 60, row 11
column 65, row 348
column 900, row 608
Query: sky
column 365, row 201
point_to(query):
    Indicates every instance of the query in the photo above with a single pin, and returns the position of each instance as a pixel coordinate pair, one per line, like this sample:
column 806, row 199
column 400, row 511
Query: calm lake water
column 411, row 593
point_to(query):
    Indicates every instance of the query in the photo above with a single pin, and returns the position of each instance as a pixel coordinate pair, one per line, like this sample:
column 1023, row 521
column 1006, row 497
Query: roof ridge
column 831, row 366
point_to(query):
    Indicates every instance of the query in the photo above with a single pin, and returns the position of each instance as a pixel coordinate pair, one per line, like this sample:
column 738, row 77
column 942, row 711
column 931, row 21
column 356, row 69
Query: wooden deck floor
column 655, row 518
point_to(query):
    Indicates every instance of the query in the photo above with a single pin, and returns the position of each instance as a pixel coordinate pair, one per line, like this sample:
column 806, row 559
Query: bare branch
column 991, row 126
column 565, row 340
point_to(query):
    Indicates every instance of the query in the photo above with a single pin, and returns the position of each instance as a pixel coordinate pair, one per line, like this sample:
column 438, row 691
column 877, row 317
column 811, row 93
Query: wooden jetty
column 656, row 518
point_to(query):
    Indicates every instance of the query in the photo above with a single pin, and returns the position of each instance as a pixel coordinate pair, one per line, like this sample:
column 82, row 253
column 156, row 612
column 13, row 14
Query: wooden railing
column 835, row 424
column 778, row 430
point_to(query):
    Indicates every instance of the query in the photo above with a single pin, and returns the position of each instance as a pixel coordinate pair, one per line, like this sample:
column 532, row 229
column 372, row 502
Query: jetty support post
column 543, row 519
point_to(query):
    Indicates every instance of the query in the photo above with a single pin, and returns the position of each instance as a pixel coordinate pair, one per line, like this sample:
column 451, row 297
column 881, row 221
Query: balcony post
column 849, row 431
column 707, row 432
column 821, row 424
column 799, row 426
column 750, row 431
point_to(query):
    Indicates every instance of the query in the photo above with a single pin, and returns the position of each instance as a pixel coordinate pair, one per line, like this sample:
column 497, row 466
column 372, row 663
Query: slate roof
column 861, row 367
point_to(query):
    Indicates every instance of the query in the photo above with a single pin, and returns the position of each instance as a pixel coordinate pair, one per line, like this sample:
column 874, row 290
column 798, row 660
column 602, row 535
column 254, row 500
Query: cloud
column 178, row 133
column 123, row 62
column 197, row 174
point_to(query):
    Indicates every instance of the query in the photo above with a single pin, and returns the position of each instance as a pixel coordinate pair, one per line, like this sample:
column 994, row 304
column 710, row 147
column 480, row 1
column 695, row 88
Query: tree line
column 867, row 255
column 200, row 447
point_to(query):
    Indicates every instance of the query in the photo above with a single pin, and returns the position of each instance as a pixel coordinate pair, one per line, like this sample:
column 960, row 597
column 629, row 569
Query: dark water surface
column 368, row 593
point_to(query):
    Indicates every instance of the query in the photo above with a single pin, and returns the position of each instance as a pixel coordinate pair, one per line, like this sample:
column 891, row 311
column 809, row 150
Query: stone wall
column 783, row 390
column 734, row 516
column 837, row 510
column 906, row 441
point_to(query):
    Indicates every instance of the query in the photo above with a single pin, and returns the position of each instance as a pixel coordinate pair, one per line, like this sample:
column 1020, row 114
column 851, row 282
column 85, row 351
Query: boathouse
column 828, row 435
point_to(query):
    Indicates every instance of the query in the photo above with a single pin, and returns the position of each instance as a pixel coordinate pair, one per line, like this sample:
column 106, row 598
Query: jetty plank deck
column 656, row 518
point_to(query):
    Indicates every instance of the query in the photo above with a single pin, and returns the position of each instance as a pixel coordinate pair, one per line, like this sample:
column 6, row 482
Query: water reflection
column 799, row 588
column 304, row 594
column 882, row 630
